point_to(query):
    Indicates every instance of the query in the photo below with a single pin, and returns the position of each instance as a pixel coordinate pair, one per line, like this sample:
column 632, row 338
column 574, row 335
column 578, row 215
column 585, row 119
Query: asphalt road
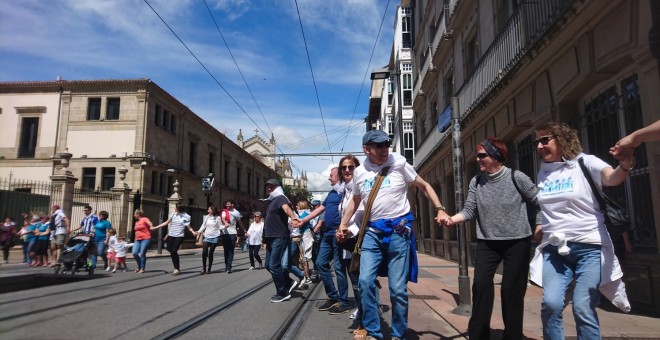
column 145, row 306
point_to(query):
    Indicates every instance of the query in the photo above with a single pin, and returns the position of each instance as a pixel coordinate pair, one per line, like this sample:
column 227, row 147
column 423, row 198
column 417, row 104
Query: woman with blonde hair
column 576, row 245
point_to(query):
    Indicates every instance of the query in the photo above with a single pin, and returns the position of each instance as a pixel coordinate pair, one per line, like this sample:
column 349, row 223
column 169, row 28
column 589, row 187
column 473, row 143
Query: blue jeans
column 140, row 253
column 228, row 245
column 395, row 257
column 329, row 251
column 100, row 251
column 276, row 248
column 583, row 263
column 286, row 261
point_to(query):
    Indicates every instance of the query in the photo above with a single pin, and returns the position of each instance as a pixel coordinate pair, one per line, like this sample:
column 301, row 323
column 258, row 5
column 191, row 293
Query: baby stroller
column 75, row 255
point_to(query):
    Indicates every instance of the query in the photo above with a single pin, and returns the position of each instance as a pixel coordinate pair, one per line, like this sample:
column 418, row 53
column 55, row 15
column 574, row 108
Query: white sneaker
column 308, row 281
column 302, row 284
column 107, row 269
column 175, row 272
column 353, row 314
column 251, row 268
column 115, row 270
column 293, row 286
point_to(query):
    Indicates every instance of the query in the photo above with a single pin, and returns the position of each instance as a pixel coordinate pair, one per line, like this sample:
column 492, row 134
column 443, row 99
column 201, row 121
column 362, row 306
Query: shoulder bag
column 532, row 209
column 354, row 268
column 616, row 216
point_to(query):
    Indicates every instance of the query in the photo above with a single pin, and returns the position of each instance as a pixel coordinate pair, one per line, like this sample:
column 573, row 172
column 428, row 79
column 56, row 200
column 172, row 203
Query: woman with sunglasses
column 503, row 235
column 576, row 245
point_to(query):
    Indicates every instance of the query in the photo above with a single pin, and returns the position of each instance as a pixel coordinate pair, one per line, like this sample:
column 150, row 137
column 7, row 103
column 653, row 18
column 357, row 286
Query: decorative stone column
column 121, row 219
column 65, row 181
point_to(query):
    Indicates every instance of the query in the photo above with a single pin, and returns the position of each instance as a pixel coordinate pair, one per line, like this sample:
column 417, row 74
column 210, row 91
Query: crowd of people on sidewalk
column 364, row 229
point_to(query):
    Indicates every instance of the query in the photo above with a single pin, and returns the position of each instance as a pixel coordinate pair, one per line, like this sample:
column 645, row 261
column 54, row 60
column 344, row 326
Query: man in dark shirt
column 337, row 302
column 278, row 241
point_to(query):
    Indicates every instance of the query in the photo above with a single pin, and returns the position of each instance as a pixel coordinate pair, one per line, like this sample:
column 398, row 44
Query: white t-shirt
column 112, row 241
column 179, row 221
column 121, row 247
column 60, row 228
column 256, row 231
column 391, row 200
column 234, row 216
column 211, row 226
column 566, row 200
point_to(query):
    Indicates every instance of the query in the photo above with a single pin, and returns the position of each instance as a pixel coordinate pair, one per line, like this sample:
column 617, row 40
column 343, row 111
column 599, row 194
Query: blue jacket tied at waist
column 388, row 226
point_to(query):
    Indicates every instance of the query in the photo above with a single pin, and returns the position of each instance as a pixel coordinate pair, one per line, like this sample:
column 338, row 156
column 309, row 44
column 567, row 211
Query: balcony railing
column 528, row 24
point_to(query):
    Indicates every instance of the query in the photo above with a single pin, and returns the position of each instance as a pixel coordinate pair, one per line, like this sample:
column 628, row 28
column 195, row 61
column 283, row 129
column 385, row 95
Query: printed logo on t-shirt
column 369, row 183
column 557, row 186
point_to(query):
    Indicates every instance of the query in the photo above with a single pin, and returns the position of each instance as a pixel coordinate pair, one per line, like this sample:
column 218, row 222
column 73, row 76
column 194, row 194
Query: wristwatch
column 440, row 207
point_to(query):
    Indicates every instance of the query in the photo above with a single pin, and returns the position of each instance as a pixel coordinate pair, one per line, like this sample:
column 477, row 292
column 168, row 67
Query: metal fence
column 99, row 201
column 25, row 196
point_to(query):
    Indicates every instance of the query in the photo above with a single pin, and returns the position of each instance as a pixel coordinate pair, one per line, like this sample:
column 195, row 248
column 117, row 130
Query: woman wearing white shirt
column 211, row 229
column 254, row 235
column 178, row 222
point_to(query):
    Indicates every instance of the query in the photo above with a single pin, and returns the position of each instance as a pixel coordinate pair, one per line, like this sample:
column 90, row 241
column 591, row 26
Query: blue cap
column 375, row 136
column 316, row 202
column 273, row 181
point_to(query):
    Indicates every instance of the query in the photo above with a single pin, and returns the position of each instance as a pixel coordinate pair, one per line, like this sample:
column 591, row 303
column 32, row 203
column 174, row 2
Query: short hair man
column 277, row 238
column 388, row 241
column 61, row 226
column 337, row 301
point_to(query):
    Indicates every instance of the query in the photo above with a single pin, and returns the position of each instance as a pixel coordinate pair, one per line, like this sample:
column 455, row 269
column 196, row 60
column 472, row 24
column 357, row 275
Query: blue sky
column 124, row 39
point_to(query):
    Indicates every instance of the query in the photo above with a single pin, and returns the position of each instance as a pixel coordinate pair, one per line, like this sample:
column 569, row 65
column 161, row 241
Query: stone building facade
column 514, row 64
column 113, row 125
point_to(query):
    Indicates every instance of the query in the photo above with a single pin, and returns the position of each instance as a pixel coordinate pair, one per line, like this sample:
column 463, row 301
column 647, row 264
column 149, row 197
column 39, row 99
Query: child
column 112, row 241
column 120, row 252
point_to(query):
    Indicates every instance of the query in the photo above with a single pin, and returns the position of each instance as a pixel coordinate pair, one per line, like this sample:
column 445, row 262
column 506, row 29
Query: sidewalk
column 435, row 296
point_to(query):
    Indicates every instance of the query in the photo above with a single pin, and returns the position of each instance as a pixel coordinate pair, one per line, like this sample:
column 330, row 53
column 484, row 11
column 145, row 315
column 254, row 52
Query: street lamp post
column 384, row 73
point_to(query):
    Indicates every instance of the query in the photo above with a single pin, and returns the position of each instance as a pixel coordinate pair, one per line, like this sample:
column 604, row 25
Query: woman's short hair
column 139, row 212
column 500, row 151
column 104, row 214
column 566, row 136
column 215, row 211
column 350, row 157
column 180, row 207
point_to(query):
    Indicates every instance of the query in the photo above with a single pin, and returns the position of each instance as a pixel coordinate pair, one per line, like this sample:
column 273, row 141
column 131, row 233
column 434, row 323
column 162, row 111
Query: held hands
column 296, row 222
column 447, row 221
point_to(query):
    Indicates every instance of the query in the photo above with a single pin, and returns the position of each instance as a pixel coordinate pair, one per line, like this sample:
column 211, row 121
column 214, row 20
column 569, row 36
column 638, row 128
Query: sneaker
column 229, row 271
column 302, row 285
column 260, row 266
column 294, row 284
column 277, row 298
column 123, row 271
column 308, row 281
column 353, row 314
column 107, row 269
column 327, row 304
column 338, row 309
column 115, row 270
column 175, row 272
column 251, row 268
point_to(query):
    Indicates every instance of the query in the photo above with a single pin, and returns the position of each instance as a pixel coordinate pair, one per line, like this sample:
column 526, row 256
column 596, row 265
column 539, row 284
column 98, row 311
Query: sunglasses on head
column 381, row 145
column 347, row 167
column 543, row 140
column 482, row 155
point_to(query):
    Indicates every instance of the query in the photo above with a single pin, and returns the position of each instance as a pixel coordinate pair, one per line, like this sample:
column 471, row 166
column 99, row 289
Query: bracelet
column 632, row 166
column 440, row 207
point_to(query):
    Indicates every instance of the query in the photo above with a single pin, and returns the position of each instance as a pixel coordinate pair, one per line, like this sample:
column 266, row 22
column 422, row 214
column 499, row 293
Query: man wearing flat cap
column 277, row 238
column 389, row 241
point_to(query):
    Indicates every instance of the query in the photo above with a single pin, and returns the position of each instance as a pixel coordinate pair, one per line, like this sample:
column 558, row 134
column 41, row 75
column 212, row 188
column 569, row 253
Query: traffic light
column 207, row 184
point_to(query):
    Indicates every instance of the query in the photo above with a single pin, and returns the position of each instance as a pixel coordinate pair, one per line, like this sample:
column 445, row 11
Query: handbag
column 200, row 236
column 354, row 267
column 617, row 219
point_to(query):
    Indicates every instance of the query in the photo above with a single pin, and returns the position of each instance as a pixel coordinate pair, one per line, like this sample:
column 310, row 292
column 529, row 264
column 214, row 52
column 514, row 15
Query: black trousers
column 207, row 252
column 254, row 254
column 516, row 255
column 173, row 245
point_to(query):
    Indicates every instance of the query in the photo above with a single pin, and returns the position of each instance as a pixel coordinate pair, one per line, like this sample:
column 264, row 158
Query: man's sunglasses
column 482, row 155
column 543, row 140
column 381, row 145
column 348, row 167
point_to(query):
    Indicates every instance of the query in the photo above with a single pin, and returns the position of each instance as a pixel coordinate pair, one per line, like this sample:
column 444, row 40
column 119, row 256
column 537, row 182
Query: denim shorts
column 211, row 239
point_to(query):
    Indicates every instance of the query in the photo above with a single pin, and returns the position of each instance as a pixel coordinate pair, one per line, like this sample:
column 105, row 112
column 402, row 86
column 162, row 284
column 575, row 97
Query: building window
column 166, row 120
column 173, row 124
column 406, row 67
column 471, row 54
column 390, row 91
column 192, row 160
column 93, row 108
column 226, row 173
column 158, row 117
column 406, row 10
column 503, row 11
column 107, row 178
column 28, row 142
column 389, row 126
column 154, row 182
column 211, row 162
column 88, row 179
column 448, row 85
column 249, row 183
column 406, row 41
column 408, row 145
column 161, row 183
column 170, row 185
column 112, row 112
column 407, row 89
column 238, row 178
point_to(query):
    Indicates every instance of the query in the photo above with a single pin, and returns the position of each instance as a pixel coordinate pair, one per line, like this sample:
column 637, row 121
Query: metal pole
column 464, row 301
column 159, row 249
column 399, row 108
